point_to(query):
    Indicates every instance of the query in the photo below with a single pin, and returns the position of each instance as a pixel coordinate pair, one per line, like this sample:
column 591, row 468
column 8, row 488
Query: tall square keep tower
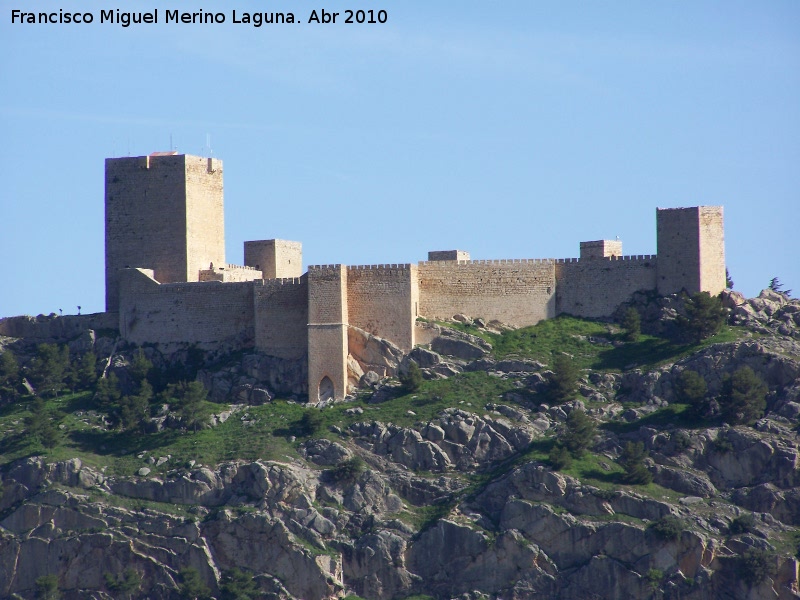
column 691, row 250
column 163, row 212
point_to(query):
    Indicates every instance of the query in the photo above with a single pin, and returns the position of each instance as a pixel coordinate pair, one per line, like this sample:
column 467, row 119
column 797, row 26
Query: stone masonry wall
column 596, row 287
column 678, row 232
column 208, row 314
column 327, row 329
column 226, row 273
column 379, row 300
column 712, row 249
column 205, row 222
column 281, row 317
column 517, row 292
column 54, row 327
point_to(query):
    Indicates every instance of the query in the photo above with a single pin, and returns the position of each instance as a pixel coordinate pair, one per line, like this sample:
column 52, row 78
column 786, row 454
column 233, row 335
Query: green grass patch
column 592, row 344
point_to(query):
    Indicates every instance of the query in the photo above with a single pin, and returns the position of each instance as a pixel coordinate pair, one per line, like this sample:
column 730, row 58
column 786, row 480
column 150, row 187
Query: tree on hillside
column 704, row 317
column 579, row 434
column 632, row 460
column 86, row 371
column 193, row 410
column 411, row 379
column 135, row 409
column 40, row 424
column 743, row 397
column 49, row 367
column 728, row 279
column 237, row 585
column 776, row 286
column 140, row 367
column 9, row 376
column 192, row 586
column 564, row 380
column 632, row 324
column 691, row 389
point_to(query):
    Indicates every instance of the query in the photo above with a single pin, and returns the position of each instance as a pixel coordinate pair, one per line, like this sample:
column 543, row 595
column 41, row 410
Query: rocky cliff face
column 464, row 504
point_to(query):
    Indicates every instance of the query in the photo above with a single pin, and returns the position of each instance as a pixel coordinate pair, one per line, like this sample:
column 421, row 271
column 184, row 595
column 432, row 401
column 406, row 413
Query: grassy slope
column 265, row 431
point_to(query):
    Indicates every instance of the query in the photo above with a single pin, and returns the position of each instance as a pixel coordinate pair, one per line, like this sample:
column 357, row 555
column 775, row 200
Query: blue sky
column 508, row 129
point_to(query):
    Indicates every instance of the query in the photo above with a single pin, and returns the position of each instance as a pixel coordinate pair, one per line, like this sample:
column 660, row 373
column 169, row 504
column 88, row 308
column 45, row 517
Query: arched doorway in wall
column 326, row 389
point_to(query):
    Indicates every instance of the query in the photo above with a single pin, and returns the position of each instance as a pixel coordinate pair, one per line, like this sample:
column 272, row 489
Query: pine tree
column 564, row 380
column 580, row 433
column 632, row 460
column 704, row 317
column 411, row 379
column 743, row 398
column 691, row 389
column 632, row 324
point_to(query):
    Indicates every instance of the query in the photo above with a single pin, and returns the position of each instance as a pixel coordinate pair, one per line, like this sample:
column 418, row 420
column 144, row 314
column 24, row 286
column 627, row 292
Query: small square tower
column 601, row 249
column 275, row 259
column 435, row 255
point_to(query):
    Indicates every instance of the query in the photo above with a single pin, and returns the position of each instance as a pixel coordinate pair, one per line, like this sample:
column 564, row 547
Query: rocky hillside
column 571, row 460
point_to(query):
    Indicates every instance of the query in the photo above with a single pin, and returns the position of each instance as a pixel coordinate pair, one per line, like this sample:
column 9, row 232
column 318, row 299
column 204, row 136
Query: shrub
column 667, row 528
column 310, row 423
column 743, row 398
column 192, row 586
column 704, row 317
column 348, row 470
column 742, row 524
column 559, row 457
column 632, row 324
column 47, row 587
column 756, row 565
column 580, row 433
column 691, row 389
column 237, row 585
column 654, row 579
column 411, row 378
column 564, row 380
column 721, row 443
column 632, row 460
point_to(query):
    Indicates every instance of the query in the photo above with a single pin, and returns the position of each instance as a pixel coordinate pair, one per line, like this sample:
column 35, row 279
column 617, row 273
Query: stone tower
column 327, row 332
column 163, row 212
column 691, row 250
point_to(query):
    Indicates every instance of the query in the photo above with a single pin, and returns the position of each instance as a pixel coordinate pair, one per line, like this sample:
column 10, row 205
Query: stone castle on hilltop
column 167, row 279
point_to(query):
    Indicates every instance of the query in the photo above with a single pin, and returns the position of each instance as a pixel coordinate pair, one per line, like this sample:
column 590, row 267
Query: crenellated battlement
column 283, row 281
column 395, row 267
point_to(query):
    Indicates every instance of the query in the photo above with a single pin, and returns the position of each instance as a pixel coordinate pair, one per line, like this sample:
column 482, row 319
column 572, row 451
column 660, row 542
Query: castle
column 167, row 279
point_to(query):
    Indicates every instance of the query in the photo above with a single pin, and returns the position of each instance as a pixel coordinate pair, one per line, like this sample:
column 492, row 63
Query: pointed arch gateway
column 327, row 390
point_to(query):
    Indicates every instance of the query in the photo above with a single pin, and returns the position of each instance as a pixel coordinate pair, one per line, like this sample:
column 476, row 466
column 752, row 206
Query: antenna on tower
column 170, row 142
column 208, row 144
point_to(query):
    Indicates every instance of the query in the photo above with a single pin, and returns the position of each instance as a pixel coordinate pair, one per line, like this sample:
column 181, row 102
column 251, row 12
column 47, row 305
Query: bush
column 560, row 458
column 564, row 380
column 411, row 379
column 743, row 524
column 47, row 587
column 632, row 460
column 704, row 317
column 192, row 586
column 667, row 528
column 632, row 324
column 580, row 433
column 237, row 585
column 756, row 565
column 348, row 470
column 691, row 389
column 310, row 423
column 743, row 398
